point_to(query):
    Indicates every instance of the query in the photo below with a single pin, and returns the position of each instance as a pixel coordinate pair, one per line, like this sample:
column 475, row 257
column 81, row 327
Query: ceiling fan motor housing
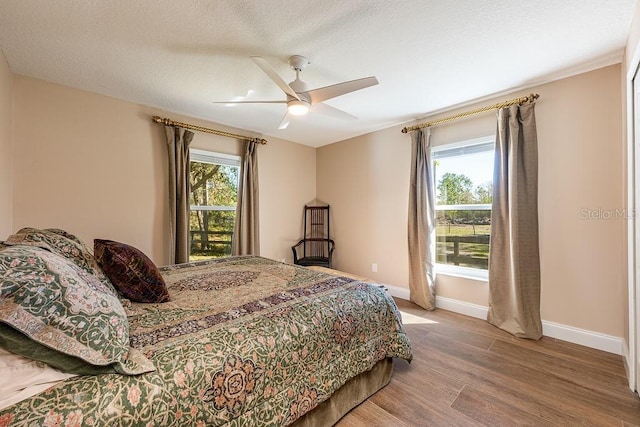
column 298, row 62
column 299, row 86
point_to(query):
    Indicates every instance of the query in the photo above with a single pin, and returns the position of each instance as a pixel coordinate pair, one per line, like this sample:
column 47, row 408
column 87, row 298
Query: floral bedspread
column 243, row 341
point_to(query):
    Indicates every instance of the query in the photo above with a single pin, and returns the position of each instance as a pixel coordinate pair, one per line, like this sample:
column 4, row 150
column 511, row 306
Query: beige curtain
column 178, row 140
column 246, row 233
column 514, row 261
column 422, row 220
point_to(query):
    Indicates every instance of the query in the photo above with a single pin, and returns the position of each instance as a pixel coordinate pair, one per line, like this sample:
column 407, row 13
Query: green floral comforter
column 243, row 341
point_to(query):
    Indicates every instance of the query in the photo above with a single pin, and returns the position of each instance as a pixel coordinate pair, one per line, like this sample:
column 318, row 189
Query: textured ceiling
column 428, row 55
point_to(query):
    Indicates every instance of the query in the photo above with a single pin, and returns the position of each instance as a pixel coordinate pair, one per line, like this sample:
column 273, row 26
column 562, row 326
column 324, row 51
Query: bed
column 235, row 341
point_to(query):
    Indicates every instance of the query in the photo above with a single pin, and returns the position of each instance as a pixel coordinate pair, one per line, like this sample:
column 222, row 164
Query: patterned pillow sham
column 133, row 274
column 64, row 233
column 62, row 243
column 55, row 312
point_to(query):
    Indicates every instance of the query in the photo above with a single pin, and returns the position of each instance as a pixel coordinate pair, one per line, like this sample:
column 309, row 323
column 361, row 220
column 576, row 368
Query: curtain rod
column 170, row 122
column 523, row 100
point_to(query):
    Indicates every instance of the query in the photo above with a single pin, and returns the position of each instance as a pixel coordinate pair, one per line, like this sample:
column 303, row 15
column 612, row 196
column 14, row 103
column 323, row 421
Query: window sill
column 463, row 272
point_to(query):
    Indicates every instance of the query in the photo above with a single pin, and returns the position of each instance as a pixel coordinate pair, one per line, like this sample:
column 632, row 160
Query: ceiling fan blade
column 332, row 111
column 269, row 71
column 328, row 92
column 285, row 121
column 250, row 102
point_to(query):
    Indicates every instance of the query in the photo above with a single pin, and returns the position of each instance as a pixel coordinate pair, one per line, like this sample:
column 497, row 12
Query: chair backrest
column 316, row 231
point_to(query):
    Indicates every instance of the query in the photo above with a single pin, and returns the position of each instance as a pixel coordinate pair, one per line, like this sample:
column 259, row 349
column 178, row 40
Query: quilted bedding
column 243, row 341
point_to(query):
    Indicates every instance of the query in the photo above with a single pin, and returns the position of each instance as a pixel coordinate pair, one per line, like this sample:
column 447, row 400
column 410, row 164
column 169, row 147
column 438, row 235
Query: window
column 464, row 189
column 213, row 199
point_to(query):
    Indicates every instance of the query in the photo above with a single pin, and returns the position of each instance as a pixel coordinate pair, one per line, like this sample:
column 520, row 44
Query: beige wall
column 96, row 166
column 287, row 183
column 580, row 150
column 6, row 158
column 366, row 180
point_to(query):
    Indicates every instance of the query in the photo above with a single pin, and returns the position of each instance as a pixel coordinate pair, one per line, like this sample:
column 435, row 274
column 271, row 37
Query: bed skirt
column 351, row 394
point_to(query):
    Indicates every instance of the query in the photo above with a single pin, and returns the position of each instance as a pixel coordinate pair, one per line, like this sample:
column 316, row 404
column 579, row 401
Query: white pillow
column 23, row 378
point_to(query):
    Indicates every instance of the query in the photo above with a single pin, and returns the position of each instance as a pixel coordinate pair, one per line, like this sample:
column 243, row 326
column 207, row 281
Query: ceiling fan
column 300, row 99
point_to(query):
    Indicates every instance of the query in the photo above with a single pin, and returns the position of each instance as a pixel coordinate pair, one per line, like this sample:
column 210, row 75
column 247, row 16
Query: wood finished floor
column 466, row 372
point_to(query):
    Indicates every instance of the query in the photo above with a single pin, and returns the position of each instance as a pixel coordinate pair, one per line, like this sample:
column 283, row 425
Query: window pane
column 214, row 184
column 464, row 177
column 214, row 196
column 462, row 237
column 211, row 233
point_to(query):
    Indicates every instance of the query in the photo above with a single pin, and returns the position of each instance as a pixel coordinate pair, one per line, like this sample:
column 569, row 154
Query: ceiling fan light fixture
column 297, row 108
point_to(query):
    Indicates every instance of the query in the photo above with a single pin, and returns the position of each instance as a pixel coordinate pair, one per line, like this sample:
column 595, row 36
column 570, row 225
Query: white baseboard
column 462, row 307
column 571, row 334
column 398, row 292
column 584, row 337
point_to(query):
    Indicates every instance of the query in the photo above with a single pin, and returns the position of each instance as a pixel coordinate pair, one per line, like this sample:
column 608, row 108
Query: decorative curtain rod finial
column 531, row 98
column 164, row 121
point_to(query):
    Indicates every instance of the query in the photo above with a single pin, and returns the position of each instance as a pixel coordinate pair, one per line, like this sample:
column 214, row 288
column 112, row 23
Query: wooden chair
column 316, row 246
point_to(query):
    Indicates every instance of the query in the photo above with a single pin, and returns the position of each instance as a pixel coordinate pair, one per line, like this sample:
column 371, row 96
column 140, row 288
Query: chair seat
column 321, row 261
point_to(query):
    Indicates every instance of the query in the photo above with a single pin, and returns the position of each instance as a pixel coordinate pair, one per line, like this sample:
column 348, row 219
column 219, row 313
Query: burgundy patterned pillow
column 133, row 274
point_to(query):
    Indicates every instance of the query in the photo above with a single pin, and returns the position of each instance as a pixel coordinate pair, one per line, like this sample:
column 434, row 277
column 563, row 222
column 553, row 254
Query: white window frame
column 463, row 147
column 212, row 157
column 205, row 156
